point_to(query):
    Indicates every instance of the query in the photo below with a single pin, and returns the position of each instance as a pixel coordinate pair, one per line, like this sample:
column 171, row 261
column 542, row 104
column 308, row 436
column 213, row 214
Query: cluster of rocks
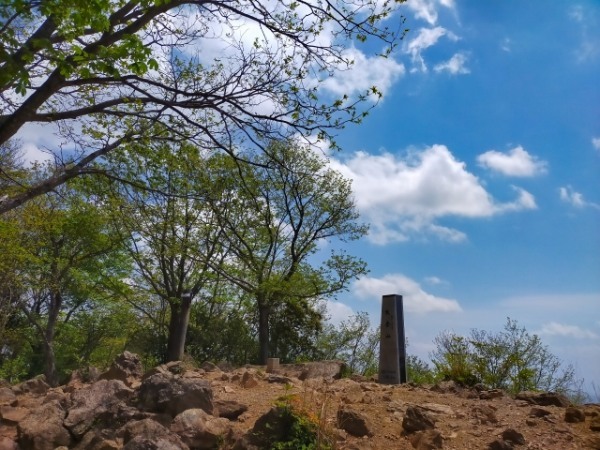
column 176, row 407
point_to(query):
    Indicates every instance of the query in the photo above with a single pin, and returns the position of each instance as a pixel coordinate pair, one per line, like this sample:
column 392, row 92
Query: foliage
column 512, row 360
column 305, row 425
column 108, row 74
column 354, row 342
column 418, row 371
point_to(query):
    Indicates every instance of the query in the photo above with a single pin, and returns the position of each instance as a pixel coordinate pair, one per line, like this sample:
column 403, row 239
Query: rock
column 35, row 386
column 209, row 367
column 43, row 428
column 322, row 369
column 127, row 367
column 539, row 412
column 426, row 440
column 446, row 387
column 281, row 379
column 513, row 436
column 544, row 398
column 595, row 423
column 416, row 419
column 249, row 380
column 574, row 415
column 8, row 444
column 230, row 409
column 437, row 409
column 13, row 415
column 199, row 430
column 484, row 414
column 7, row 397
column 98, row 402
column 167, row 442
column 499, row 444
column 147, row 428
column 165, row 393
column 491, row 394
column 354, row 422
column 97, row 441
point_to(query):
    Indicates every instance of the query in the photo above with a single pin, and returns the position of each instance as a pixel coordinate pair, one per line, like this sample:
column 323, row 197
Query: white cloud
column 363, row 74
column 426, row 38
column 338, row 311
column 416, row 300
column 427, row 9
column 402, row 198
column 435, row 281
column 32, row 154
column 559, row 329
column 454, row 66
column 574, row 198
column 516, row 163
column 424, row 9
column 596, row 143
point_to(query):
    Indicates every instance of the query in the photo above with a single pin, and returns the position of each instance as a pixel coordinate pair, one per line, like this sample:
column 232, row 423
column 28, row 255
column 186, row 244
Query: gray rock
column 230, row 409
column 165, row 393
column 544, row 398
column 353, row 422
column 98, row 402
column 416, row 419
column 484, row 414
column 539, row 412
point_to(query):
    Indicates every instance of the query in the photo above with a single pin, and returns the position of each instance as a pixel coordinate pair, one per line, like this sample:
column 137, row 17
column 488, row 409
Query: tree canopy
column 110, row 73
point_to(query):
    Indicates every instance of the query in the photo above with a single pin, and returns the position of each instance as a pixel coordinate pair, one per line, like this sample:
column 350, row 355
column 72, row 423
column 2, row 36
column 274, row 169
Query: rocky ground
column 179, row 407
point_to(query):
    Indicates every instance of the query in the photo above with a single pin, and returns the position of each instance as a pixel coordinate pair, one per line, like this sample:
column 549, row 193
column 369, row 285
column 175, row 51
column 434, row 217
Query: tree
column 66, row 258
column 511, row 359
column 172, row 237
column 354, row 342
column 279, row 210
column 111, row 73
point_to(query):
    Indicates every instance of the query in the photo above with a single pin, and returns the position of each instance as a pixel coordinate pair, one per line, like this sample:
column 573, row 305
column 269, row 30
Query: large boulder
column 199, row 430
column 43, row 428
column 322, row 369
column 166, row 393
column 99, row 402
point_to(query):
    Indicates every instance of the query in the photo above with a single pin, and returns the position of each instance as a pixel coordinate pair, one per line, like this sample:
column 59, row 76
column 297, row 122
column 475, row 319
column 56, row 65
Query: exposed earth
column 175, row 406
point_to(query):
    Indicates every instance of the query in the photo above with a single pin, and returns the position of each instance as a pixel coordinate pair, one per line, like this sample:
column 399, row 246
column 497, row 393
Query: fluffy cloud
column 574, row 198
column 416, row 300
column 596, row 143
column 455, row 65
column 427, row 9
column 363, row 74
column 516, row 163
column 559, row 329
column 403, row 197
column 426, row 38
column 338, row 311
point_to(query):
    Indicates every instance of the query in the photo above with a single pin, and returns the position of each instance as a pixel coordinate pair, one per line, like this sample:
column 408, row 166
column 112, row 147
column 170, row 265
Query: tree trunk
column 49, row 356
column 178, row 325
column 263, row 331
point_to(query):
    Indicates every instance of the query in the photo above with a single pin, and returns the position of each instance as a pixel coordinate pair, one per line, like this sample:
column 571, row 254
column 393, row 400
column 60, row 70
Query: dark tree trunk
column 178, row 325
column 263, row 331
column 49, row 356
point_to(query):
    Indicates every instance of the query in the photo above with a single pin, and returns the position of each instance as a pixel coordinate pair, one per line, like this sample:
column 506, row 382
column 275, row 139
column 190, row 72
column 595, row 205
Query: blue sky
column 479, row 173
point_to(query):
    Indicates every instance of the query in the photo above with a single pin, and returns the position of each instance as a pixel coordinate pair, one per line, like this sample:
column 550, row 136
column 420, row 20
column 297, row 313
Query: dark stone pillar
column 392, row 349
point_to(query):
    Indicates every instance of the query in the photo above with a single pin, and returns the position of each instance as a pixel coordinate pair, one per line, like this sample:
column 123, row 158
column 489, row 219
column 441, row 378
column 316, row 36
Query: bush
column 512, row 360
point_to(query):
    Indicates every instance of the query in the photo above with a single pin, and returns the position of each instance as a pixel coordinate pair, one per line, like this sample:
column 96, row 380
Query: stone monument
column 392, row 348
